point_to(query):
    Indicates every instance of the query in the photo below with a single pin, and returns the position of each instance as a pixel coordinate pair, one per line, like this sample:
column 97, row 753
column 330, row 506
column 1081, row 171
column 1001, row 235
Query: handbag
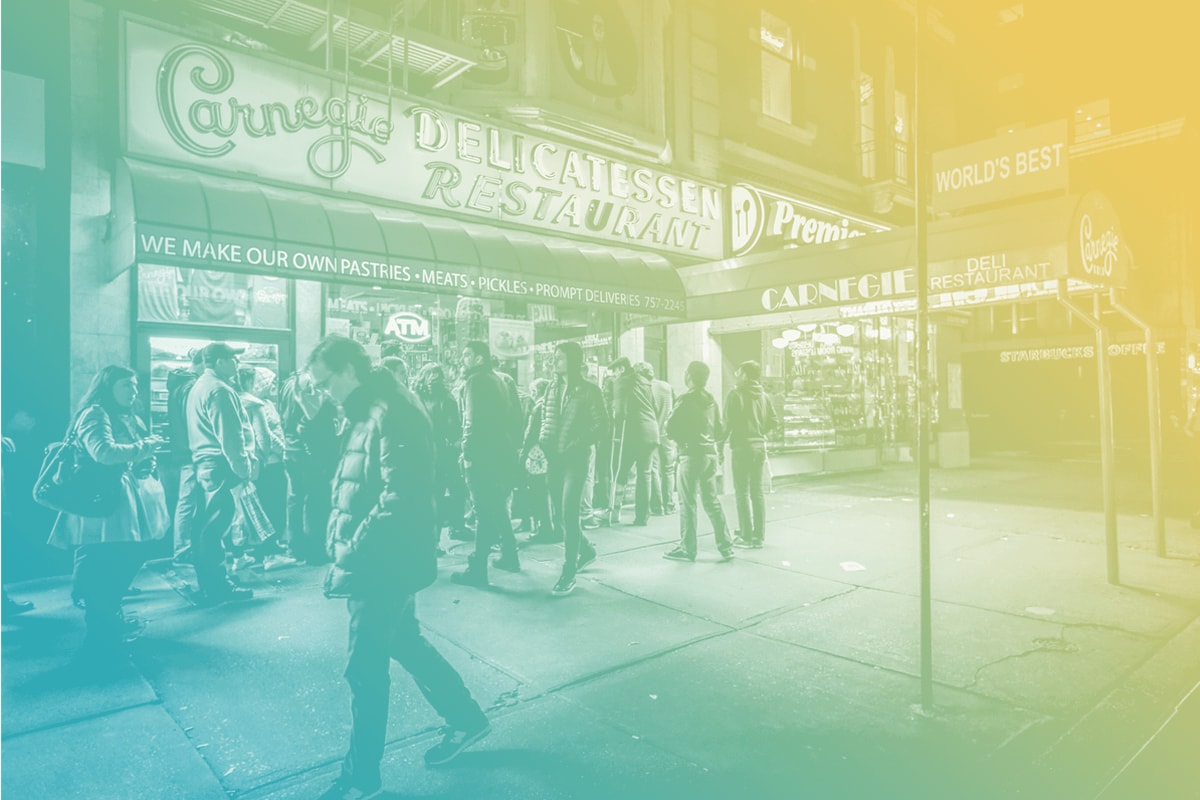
column 70, row 481
column 535, row 461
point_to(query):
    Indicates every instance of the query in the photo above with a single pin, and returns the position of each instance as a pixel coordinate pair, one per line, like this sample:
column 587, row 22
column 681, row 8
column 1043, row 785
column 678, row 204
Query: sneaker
column 278, row 561
column 679, row 554
column 470, row 577
column 565, row 585
column 589, row 523
column 727, row 554
column 344, row 790
column 242, row 562
column 587, row 555
column 745, row 544
column 453, row 743
column 508, row 563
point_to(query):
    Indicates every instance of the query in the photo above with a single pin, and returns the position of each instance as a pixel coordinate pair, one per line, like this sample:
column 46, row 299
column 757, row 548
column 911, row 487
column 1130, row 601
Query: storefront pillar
column 952, row 438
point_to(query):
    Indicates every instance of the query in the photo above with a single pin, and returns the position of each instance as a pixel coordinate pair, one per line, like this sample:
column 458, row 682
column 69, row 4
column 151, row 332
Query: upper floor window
column 781, row 70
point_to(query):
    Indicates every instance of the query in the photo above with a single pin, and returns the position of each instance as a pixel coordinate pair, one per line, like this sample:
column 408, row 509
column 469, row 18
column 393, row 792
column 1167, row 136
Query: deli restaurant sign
column 226, row 110
column 1025, row 162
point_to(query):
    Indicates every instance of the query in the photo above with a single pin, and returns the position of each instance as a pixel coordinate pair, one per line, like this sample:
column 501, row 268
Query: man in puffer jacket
column 695, row 425
column 573, row 420
column 750, row 418
column 382, row 538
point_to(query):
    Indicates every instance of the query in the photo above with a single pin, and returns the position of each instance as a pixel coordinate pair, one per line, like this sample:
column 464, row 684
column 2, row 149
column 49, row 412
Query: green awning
column 184, row 218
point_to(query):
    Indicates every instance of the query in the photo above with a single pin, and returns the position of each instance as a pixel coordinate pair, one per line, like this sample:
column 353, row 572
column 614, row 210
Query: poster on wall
column 512, row 340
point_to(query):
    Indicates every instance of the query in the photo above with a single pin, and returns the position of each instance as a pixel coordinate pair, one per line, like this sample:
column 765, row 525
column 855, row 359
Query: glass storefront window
column 204, row 297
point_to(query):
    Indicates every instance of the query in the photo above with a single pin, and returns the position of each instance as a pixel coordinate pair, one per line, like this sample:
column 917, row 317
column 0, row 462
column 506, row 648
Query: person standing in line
column 636, row 426
column 750, row 418
column 534, row 471
column 224, row 459
column 382, row 538
column 573, row 421
column 258, row 384
column 662, row 462
column 446, row 417
column 695, row 424
column 310, row 453
column 110, row 550
column 191, row 496
column 399, row 369
column 492, row 427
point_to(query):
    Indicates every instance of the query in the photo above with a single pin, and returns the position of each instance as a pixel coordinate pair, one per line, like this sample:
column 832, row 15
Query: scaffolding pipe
column 1154, row 412
column 1107, row 448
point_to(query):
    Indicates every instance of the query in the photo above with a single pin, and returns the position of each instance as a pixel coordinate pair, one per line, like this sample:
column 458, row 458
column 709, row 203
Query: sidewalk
column 792, row 672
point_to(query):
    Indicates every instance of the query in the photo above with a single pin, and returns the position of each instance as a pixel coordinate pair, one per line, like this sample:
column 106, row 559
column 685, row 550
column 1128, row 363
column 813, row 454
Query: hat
column 214, row 352
column 620, row 363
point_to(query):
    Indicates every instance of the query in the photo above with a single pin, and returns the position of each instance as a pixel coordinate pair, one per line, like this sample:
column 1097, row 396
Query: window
column 780, row 65
column 866, row 125
column 900, row 135
column 174, row 294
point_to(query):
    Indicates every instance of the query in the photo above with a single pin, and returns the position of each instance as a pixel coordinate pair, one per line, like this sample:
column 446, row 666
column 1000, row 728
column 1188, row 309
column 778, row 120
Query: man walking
column 636, row 425
column 573, row 420
column 219, row 438
column 749, row 418
column 383, row 541
column 695, row 425
column 493, row 424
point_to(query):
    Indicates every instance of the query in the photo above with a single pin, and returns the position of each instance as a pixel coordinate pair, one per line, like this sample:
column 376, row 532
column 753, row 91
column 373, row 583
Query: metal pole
column 1154, row 412
column 921, row 197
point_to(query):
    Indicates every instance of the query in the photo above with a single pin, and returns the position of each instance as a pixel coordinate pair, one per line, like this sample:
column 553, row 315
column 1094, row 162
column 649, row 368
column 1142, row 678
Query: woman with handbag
column 109, row 550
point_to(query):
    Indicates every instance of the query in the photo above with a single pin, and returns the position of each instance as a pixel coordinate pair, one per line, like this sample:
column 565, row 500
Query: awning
column 183, row 218
column 972, row 259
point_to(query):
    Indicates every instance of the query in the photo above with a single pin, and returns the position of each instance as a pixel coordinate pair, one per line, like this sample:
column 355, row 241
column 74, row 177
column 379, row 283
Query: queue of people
column 357, row 469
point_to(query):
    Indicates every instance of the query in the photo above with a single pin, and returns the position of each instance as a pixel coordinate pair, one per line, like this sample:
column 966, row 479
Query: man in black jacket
column 382, row 538
column 695, row 425
column 749, row 418
column 493, row 427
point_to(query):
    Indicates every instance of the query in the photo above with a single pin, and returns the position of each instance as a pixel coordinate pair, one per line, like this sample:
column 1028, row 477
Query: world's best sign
column 1017, row 164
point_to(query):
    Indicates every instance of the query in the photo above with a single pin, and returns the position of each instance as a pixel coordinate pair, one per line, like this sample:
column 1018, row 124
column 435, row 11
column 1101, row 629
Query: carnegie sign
column 1022, row 163
column 761, row 220
column 227, row 110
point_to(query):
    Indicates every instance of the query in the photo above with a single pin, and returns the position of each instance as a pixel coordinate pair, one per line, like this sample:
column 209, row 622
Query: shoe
column 344, row 790
column 565, row 585
column 278, row 561
column 745, row 544
column 470, row 577
column 679, row 554
column 242, row 562
column 589, row 523
column 586, row 556
column 727, row 554
column 508, row 563
column 453, row 743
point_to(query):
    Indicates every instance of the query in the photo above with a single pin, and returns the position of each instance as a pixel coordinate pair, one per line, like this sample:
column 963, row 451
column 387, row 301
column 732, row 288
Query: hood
column 753, row 389
column 178, row 377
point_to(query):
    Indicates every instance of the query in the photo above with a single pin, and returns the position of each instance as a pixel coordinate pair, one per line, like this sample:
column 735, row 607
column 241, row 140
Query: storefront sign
column 852, row 289
column 157, row 244
column 1069, row 353
column 1021, row 163
column 227, row 110
column 761, row 220
column 1096, row 253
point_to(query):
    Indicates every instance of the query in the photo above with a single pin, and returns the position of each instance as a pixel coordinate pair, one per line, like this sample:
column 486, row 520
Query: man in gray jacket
column 749, row 418
column 635, row 427
column 219, row 438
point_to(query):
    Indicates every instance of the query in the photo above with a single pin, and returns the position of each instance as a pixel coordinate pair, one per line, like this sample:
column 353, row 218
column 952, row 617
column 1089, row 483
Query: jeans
column 103, row 571
column 747, row 465
column 187, row 507
column 698, row 473
column 490, row 485
column 662, row 479
column 216, row 479
column 383, row 628
column 634, row 454
column 309, row 501
column 567, row 475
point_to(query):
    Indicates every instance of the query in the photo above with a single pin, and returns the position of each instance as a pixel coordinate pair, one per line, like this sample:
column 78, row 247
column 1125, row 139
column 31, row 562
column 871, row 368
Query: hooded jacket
column 749, row 415
column 695, row 424
column 633, row 410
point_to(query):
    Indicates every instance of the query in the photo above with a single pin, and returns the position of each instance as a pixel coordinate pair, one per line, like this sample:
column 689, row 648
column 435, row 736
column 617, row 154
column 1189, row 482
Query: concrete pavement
column 791, row 672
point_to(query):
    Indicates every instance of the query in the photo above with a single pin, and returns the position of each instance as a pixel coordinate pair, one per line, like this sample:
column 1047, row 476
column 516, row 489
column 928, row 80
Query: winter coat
column 574, row 417
column 118, row 442
column 179, row 384
column 314, row 440
column 445, row 415
column 695, row 424
column 382, row 533
column 664, row 402
column 749, row 416
column 633, row 410
column 493, row 421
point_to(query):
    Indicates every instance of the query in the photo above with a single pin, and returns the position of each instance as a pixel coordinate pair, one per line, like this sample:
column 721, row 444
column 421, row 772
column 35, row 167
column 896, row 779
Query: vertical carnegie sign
column 225, row 110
